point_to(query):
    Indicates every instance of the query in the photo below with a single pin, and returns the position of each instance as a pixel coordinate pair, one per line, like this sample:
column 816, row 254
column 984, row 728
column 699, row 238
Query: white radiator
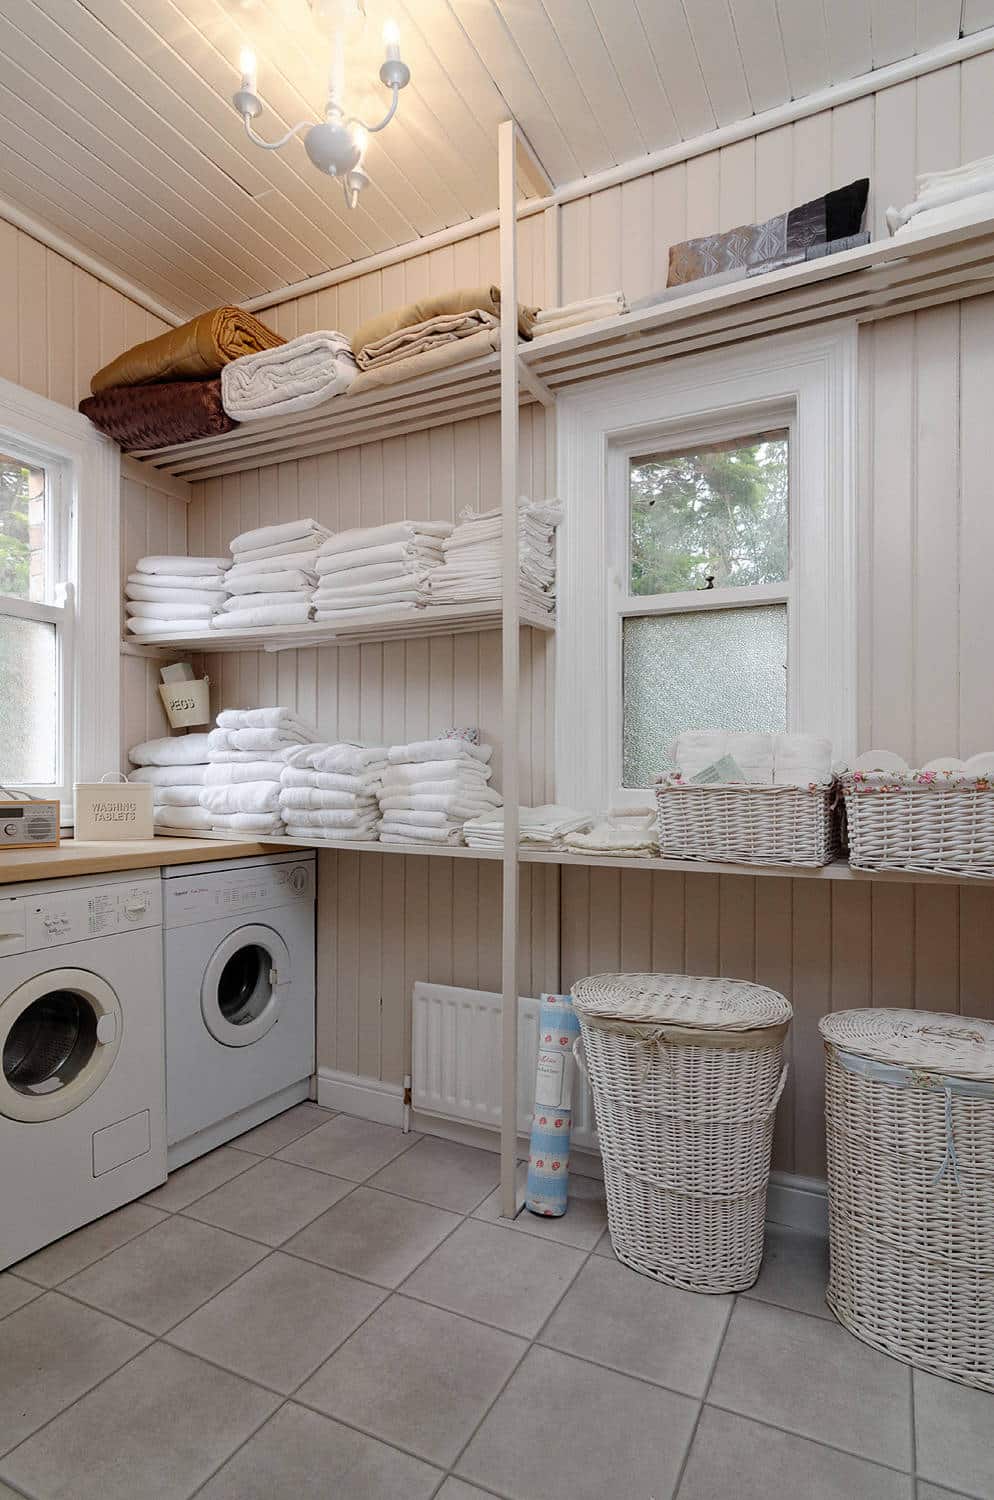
column 455, row 1066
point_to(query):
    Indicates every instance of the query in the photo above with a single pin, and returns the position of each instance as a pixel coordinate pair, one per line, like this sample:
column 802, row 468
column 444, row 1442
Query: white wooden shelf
column 409, row 625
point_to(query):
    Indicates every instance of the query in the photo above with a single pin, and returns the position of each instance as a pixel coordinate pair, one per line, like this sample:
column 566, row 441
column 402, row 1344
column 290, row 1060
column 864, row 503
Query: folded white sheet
column 171, row 750
column 159, row 776
column 143, row 609
column 634, row 833
column 177, row 596
column 296, row 376
column 378, row 536
column 345, row 758
column 280, row 562
column 414, row 580
column 177, row 796
column 247, row 823
column 175, row 580
column 353, row 835
column 281, row 549
column 280, row 582
column 266, row 601
column 360, row 600
column 242, row 797
column 181, row 817
column 182, row 565
column 264, row 614
column 393, row 610
column 350, row 578
column 317, row 799
column 279, row 738
column 362, row 557
column 228, row 773
column 180, row 624
column 274, row 536
column 440, row 749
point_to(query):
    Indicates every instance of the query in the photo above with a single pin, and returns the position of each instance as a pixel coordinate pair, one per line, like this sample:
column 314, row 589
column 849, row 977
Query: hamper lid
column 683, row 999
column 961, row 1046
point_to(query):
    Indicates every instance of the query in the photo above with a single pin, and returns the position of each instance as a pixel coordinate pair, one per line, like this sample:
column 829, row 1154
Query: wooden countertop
column 76, row 857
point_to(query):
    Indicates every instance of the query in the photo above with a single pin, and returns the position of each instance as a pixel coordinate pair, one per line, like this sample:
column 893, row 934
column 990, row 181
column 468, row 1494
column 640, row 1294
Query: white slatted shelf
column 433, row 620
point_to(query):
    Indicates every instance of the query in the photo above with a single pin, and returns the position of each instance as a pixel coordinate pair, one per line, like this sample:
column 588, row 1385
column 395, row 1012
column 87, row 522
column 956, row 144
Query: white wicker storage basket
column 686, row 1074
column 910, row 1123
column 932, row 821
column 747, row 823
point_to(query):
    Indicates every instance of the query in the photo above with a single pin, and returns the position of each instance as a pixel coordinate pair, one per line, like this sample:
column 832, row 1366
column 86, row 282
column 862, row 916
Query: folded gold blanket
column 196, row 350
column 418, row 338
column 464, row 300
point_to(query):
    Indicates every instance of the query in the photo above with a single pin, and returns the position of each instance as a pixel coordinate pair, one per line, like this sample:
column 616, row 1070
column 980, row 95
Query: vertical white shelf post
column 508, row 202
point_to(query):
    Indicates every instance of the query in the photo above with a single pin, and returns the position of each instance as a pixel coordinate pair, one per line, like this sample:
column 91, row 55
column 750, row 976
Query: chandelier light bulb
column 360, row 136
column 391, row 40
column 249, row 70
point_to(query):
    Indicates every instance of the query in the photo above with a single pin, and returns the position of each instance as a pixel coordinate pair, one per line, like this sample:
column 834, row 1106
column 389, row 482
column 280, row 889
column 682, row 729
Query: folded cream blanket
column 158, row 776
column 431, row 363
column 268, row 614
column 458, row 300
column 183, row 565
column 178, row 750
column 295, row 377
column 242, row 797
column 379, row 536
column 420, row 338
column 275, row 535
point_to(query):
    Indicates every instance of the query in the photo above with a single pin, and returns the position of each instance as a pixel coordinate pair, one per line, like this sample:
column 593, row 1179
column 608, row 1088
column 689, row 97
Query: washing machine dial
column 298, row 880
column 135, row 906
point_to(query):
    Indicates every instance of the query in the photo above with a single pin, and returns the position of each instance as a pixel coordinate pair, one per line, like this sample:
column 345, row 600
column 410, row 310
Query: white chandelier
column 337, row 144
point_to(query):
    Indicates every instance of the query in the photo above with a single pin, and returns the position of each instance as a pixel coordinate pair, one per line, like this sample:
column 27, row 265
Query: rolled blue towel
column 548, row 1158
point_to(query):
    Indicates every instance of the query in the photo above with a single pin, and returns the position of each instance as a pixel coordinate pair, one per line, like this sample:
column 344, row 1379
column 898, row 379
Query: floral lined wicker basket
column 746, row 822
column 930, row 821
column 909, row 1111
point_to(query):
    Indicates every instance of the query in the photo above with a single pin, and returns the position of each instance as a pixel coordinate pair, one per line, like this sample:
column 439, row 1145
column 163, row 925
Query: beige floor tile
column 69, row 1255
column 157, row 1428
column 278, row 1322
column 166, row 1274
column 581, row 1225
column 455, row 1489
column 187, row 1184
column 374, row 1235
column 270, row 1202
column 14, row 1293
column 416, row 1376
column 443, row 1173
column 282, row 1129
column 794, row 1272
column 954, row 1428
column 347, row 1147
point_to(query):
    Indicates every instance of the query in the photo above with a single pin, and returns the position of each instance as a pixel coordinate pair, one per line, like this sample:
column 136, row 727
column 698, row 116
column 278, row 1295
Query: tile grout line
column 719, row 1346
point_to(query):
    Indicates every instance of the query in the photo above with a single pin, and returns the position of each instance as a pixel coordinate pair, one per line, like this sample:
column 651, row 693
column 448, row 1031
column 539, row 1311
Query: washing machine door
column 243, row 985
column 59, row 1035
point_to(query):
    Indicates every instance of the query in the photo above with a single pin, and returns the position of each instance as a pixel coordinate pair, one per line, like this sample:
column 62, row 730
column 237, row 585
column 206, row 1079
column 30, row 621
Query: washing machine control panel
column 90, row 911
column 202, row 898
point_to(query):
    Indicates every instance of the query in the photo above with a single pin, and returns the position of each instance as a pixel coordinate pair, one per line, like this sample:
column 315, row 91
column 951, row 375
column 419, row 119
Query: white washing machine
column 82, row 1106
column 239, row 984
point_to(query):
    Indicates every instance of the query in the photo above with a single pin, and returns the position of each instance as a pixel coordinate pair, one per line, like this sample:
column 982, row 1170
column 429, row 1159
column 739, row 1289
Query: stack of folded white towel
column 542, row 827
column 630, row 831
column 942, row 197
column 331, row 791
column 431, row 787
column 241, row 790
column 175, row 593
column 716, row 755
column 378, row 568
column 472, row 571
column 272, row 575
column 175, row 768
column 574, row 314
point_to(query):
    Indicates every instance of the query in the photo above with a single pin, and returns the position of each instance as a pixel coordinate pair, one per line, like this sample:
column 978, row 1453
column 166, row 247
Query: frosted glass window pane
column 710, row 517
column 28, row 702
column 711, row 669
column 22, row 529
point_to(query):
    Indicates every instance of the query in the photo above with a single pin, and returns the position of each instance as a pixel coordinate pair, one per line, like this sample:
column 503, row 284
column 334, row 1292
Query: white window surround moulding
column 813, row 375
column 69, row 437
column 944, row 56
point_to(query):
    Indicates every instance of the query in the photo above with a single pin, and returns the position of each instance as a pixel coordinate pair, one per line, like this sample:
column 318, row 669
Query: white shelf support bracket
column 509, row 145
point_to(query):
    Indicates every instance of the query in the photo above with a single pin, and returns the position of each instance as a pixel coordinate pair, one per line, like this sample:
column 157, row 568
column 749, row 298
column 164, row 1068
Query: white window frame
column 806, row 383
column 84, row 505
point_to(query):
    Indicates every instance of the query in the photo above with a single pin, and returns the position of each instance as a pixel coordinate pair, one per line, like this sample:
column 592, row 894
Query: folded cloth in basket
column 276, row 535
column 171, row 750
column 298, row 375
column 281, row 582
column 254, row 616
column 183, row 565
column 157, row 416
column 241, row 797
column 227, row 773
column 159, row 776
column 181, row 817
column 190, row 353
column 380, row 536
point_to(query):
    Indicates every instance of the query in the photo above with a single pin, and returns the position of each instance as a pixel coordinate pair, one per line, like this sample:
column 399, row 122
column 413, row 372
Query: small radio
column 28, row 823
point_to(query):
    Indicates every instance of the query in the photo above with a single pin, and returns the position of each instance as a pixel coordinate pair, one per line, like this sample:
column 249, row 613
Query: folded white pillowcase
column 174, row 581
column 271, row 583
column 177, row 596
column 279, row 563
column 263, row 614
column 171, row 750
column 281, row 549
column 392, row 531
column 184, row 564
column 275, row 535
column 180, row 626
column 142, row 609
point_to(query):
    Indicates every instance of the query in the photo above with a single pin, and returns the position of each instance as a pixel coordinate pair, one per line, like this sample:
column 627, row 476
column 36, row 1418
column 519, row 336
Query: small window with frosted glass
column 29, row 647
column 708, row 554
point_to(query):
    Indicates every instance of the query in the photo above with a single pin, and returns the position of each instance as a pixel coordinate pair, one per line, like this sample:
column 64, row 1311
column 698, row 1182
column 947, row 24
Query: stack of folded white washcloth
column 331, row 791
column 272, row 575
column 721, row 756
column 378, row 568
column 241, row 790
column 542, row 827
column 942, row 197
column 431, row 787
column 629, row 831
column 174, row 593
column 574, row 314
column 174, row 767
column 472, row 570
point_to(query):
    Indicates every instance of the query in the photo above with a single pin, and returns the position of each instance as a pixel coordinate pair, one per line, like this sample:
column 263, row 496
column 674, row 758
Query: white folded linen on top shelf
column 401, row 568
column 545, row 827
column 275, row 535
column 623, row 831
column 472, row 571
column 256, row 616
column 176, row 596
column 378, row 536
column 943, row 191
column 280, row 598
column 171, row 750
column 183, row 566
column 330, row 803
column 209, row 581
column 353, row 578
column 152, row 609
column 174, row 593
column 180, row 624
column 296, row 376
column 407, row 552
column 574, row 314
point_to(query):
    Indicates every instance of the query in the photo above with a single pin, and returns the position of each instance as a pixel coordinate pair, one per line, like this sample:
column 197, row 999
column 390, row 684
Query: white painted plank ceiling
column 116, row 130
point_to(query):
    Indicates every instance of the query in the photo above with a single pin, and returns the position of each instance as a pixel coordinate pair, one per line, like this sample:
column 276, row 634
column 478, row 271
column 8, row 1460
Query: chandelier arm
column 273, row 145
column 375, row 129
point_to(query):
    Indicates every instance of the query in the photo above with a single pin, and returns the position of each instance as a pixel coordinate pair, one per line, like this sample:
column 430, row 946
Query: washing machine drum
column 243, row 985
column 59, row 1035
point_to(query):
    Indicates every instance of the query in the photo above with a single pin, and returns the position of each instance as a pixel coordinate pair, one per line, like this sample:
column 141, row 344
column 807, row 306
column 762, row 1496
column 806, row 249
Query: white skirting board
column 797, row 1202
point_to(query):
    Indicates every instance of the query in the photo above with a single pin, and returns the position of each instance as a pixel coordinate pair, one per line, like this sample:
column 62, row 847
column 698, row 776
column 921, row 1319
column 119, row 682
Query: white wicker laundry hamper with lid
column 910, row 1124
column 686, row 1074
